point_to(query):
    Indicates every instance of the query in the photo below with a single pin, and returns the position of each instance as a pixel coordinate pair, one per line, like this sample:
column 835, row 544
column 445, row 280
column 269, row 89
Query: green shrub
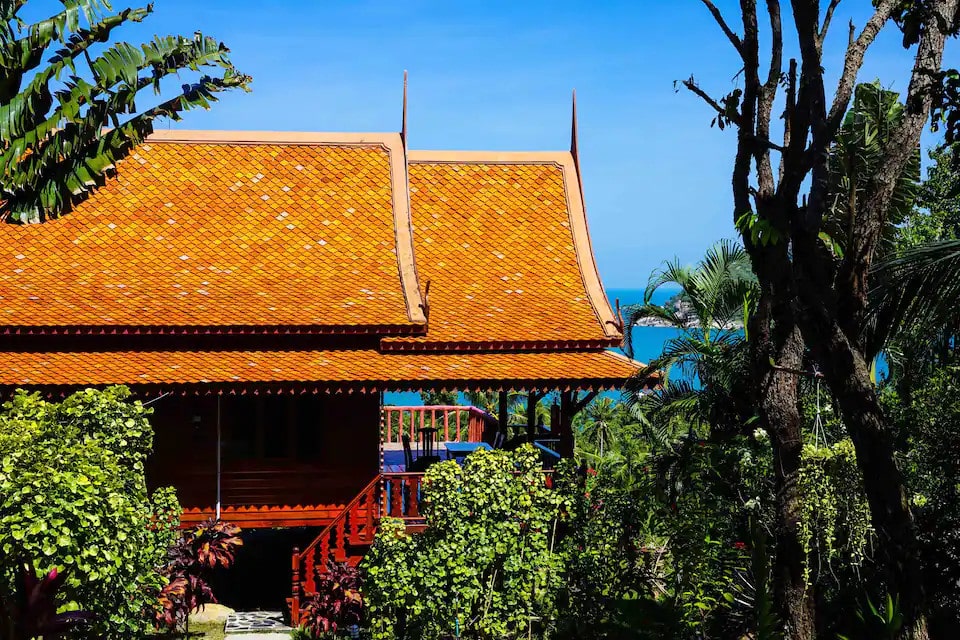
column 73, row 496
column 488, row 564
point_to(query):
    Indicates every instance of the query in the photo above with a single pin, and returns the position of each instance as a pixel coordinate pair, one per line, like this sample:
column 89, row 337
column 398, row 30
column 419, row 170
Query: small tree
column 57, row 95
column 73, row 497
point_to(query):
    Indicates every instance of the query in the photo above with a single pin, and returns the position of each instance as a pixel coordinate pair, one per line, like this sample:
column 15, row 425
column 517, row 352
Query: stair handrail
column 298, row 556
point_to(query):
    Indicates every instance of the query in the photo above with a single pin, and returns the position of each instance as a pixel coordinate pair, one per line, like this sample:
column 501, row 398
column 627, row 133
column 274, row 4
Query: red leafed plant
column 208, row 546
column 32, row 611
column 338, row 602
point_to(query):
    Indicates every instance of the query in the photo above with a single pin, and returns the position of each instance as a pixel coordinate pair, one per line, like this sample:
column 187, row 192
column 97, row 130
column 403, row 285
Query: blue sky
column 498, row 75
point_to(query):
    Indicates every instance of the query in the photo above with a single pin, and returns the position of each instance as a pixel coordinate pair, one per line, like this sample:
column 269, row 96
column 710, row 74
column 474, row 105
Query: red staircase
column 351, row 533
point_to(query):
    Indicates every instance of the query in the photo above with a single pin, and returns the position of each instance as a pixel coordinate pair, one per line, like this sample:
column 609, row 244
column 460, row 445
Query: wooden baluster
column 446, row 426
column 414, row 491
column 350, row 524
column 371, row 505
column 295, row 590
column 413, row 419
column 396, row 509
column 309, row 570
column 387, row 425
column 340, row 547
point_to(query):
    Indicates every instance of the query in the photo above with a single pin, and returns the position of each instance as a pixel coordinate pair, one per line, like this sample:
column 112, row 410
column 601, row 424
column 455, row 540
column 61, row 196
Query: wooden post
column 533, row 398
column 566, row 424
column 295, row 592
column 503, row 411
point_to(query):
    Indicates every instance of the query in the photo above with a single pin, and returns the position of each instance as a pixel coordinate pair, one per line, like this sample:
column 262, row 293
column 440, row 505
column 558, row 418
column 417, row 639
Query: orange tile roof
column 333, row 369
column 270, row 230
column 502, row 240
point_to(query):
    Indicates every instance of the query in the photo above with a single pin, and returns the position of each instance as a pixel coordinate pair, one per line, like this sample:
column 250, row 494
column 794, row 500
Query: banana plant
column 68, row 115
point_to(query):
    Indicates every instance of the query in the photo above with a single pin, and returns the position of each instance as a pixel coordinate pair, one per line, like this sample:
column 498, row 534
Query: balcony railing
column 453, row 423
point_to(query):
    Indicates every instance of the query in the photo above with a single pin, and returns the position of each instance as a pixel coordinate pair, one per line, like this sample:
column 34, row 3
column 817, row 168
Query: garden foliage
column 73, row 497
column 208, row 546
column 488, row 564
column 337, row 603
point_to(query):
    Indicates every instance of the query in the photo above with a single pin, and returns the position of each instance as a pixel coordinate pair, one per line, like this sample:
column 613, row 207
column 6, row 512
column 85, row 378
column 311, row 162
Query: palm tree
column 599, row 429
column 710, row 352
column 56, row 99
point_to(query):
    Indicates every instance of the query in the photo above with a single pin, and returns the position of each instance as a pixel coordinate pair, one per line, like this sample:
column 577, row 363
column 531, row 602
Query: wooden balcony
column 453, row 423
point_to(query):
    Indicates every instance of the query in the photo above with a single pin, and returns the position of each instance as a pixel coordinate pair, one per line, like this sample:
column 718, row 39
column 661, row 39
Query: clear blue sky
column 498, row 75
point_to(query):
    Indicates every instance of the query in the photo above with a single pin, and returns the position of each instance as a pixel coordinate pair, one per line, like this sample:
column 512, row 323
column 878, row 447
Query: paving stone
column 248, row 622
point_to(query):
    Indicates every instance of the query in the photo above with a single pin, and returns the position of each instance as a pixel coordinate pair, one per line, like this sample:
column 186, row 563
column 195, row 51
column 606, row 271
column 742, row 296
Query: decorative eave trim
column 420, row 345
column 174, row 330
column 584, row 250
column 403, row 229
column 333, row 388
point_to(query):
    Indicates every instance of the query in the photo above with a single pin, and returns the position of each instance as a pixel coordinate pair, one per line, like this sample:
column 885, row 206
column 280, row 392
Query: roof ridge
column 216, row 136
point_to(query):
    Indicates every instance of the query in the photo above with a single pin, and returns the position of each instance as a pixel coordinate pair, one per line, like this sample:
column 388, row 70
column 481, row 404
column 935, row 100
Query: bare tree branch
column 766, row 96
column 827, row 18
column 731, row 36
column 788, row 114
column 716, row 106
column 852, row 62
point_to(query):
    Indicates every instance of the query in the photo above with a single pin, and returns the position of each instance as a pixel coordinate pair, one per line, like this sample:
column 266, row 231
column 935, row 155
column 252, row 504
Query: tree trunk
column 780, row 414
column 848, row 375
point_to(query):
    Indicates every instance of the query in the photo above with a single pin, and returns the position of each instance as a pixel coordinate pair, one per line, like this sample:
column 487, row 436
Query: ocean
column 647, row 341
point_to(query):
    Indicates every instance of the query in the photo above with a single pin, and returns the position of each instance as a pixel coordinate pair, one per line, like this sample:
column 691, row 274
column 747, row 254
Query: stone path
column 257, row 624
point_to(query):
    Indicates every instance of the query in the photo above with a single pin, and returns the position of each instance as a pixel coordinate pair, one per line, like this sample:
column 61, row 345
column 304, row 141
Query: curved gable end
column 502, row 240
column 214, row 230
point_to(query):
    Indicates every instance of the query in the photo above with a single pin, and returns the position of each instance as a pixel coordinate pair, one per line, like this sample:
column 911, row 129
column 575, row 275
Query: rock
column 211, row 613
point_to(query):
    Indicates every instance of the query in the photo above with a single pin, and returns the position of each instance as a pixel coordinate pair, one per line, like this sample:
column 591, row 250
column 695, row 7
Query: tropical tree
column 709, row 353
column 600, row 426
column 781, row 215
column 68, row 99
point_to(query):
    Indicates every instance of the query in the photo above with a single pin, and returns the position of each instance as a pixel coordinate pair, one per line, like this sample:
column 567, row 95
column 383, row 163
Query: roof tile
column 215, row 234
column 334, row 368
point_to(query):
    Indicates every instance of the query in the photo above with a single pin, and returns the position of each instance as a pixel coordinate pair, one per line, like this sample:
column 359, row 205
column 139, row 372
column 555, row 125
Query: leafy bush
column 73, row 497
column 204, row 548
column 488, row 563
column 612, row 555
column 337, row 603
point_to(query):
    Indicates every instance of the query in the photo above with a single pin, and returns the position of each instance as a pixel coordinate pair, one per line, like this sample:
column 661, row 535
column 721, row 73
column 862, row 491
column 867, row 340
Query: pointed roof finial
column 574, row 149
column 403, row 124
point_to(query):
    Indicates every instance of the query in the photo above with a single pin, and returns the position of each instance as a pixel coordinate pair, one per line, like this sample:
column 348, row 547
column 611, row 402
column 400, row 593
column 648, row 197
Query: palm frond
column 918, row 288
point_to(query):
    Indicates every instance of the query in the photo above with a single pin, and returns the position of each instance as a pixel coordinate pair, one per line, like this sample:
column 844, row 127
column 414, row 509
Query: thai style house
column 263, row 290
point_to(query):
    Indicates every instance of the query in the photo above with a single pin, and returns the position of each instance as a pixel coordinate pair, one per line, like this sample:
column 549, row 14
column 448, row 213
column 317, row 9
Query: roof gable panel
column 502, row 240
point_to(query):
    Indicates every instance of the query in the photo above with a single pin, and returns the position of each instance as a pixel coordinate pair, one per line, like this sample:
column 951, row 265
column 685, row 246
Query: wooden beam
column 583, row 402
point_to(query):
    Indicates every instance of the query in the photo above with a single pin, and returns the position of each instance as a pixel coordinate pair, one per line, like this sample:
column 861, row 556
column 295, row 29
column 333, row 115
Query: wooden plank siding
column 287, row 460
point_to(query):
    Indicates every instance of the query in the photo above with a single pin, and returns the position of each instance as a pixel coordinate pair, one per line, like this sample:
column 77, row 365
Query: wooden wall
column 287, row 460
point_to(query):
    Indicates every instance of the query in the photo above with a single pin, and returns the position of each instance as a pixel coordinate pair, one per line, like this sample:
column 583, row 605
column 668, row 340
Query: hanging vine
column 834, row 514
